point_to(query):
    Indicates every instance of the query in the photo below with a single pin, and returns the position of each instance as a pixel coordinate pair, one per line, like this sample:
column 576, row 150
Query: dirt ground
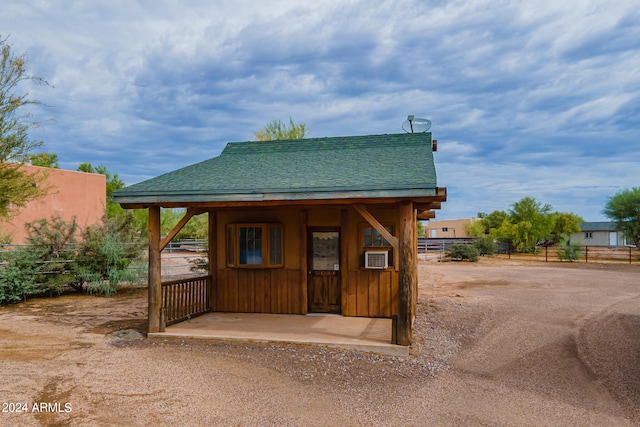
column 498, row 343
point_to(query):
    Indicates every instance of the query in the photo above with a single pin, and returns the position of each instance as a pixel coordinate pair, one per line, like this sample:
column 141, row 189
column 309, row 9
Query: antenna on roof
column 416, row 125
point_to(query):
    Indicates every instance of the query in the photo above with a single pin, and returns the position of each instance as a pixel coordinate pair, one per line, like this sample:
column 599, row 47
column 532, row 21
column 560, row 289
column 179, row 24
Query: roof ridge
column 325, row 143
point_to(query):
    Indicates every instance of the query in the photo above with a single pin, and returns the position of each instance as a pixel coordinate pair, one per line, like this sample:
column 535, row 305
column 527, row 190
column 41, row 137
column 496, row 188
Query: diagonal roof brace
column 187, row 216
column 362, row 210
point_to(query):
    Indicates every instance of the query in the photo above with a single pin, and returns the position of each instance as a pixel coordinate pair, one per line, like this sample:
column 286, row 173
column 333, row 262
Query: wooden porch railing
column 183, row 299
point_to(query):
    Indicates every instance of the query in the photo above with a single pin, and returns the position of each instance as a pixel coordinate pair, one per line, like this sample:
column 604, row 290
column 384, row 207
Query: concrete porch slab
column 355, row 333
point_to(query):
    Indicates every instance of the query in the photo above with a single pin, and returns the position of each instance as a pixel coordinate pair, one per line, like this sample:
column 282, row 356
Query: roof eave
column 157, row 199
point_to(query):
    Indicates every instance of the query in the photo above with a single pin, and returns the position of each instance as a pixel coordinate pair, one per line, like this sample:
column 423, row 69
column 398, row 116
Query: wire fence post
column 586, row 254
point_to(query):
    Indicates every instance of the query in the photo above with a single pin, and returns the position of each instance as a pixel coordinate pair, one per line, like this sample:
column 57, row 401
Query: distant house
column 599, row 234
column 72, row 194
column 447, row 228
column 320, row 225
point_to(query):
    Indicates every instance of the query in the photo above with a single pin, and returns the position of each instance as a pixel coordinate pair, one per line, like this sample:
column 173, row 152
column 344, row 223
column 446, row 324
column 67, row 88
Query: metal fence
column 426, row 245
column 433, row 248
column 187, row 245
column 63, row 255
column 180, row 258
column 588, row 254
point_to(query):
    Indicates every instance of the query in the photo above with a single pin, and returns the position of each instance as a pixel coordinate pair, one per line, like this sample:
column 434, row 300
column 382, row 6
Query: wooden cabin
column 318, row 225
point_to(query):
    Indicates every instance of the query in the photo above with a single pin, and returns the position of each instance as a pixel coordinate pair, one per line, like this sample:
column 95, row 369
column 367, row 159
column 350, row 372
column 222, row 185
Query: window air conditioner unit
column 376, row 259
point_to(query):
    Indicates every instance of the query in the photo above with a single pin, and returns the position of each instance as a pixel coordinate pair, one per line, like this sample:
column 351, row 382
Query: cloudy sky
column 527, row 98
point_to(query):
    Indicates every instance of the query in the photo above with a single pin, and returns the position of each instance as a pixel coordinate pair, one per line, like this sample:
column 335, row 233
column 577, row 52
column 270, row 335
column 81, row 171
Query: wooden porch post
column 155, row 277
column 407, row 275
column 213, row 258
column 344, row 262
column 414, row 293
column 304, row 294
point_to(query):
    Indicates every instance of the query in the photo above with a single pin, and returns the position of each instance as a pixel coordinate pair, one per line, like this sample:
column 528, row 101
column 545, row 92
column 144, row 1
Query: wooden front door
column 324, row 271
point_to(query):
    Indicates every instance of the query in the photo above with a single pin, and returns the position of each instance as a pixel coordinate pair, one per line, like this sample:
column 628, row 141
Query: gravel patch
column 496, row 343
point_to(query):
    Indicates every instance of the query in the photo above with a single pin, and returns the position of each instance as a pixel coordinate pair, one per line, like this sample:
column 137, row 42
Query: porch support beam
column 426, row 215
column 344, row 261
column 362, row 210
column 407, row 274
column 213, row 257
column 427, row 206
column 187, row 216
column 155, row 277
column 304, row 268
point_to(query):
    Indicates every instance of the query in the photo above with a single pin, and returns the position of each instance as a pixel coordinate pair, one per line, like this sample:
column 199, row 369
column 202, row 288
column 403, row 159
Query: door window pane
column 326, row 250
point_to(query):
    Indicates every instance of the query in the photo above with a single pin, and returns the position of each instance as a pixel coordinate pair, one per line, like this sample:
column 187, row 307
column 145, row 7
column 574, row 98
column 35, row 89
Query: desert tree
column 624, row 209
column 564, row 224
column 532, row 223
column 17, row 187
column 45, row 160
column 277, row 130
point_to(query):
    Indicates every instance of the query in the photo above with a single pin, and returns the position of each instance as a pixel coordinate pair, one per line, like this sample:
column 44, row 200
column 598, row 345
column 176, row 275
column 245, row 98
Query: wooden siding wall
column 365, row 293
column 259, row 291
column 370, row 294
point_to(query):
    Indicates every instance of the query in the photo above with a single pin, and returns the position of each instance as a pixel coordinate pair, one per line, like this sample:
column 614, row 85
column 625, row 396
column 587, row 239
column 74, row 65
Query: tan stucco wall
column 73, row 194
column 455, row 227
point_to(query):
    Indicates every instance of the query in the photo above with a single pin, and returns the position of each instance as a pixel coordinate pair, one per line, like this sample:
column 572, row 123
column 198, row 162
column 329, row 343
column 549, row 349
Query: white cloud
column 539, row 97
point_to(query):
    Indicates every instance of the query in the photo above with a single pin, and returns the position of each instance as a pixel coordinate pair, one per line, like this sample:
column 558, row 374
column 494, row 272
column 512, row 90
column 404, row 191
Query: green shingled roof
column 398, row 165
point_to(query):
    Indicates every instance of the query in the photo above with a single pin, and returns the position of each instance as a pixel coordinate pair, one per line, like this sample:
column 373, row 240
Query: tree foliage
column 532, row 223
column 624, row 209
column 493, row 220
column 277, row 130
column 45, row 160
column 564, row 225
column 475, row 229
column 17, row 187
column 529, row 223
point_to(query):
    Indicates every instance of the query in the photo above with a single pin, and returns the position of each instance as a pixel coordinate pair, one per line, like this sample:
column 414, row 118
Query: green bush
column 109, row 255
column 463, row 252
column 485, row 246
column 17, row 275
column 569, row 251
column 52, row 246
